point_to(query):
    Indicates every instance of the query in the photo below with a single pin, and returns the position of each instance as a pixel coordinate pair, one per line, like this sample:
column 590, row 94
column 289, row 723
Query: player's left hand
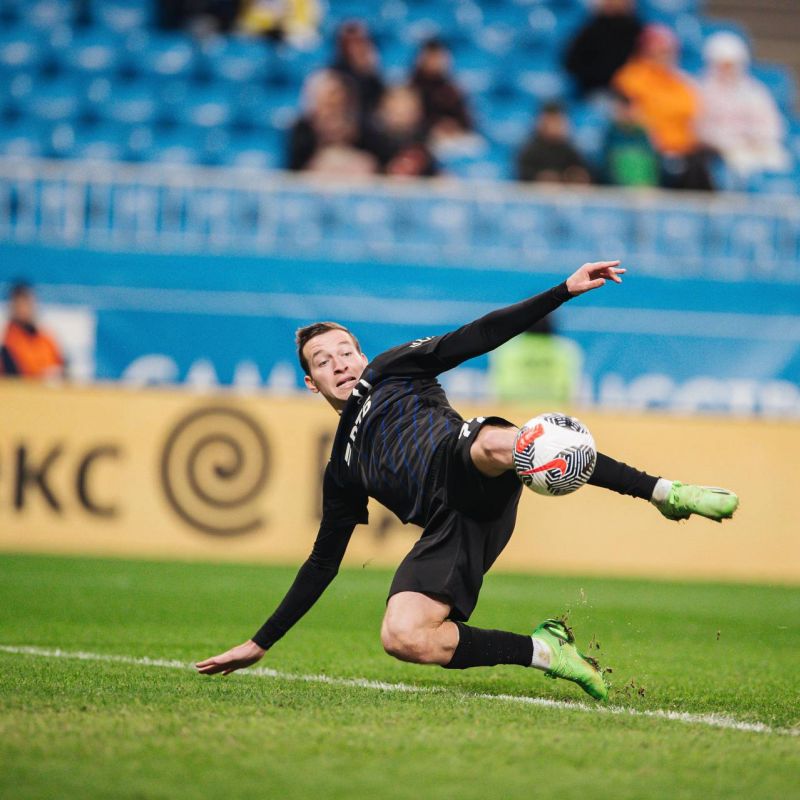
column 594, row 275
column 239, row 657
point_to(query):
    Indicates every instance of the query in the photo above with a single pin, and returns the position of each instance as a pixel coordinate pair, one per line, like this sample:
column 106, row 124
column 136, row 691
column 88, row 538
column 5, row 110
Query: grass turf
column 88, row 729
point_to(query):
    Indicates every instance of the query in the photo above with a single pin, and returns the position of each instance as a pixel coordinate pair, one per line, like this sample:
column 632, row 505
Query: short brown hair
column 304, row 335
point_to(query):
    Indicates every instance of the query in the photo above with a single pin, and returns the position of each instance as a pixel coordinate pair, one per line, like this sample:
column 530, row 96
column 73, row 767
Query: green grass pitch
column 95, row 729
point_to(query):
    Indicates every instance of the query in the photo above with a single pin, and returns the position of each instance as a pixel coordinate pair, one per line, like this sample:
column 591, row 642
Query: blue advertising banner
column 654, row 342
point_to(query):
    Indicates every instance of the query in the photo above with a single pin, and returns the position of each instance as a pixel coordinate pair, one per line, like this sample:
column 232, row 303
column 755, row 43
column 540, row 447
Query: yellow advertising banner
column 157, row 473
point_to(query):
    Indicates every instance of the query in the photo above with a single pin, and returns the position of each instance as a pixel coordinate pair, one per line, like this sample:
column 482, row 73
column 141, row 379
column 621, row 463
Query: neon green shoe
column 710, row 502
column 568, row 662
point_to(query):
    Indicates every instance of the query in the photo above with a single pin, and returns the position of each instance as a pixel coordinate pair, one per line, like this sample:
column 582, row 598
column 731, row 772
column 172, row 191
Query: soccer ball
column 554, row 454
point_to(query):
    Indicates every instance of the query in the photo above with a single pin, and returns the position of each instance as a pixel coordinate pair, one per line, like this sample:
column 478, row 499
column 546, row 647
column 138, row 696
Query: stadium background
column 140, row 192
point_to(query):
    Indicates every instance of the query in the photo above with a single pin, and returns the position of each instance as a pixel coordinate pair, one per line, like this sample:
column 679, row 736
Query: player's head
column 332, row 361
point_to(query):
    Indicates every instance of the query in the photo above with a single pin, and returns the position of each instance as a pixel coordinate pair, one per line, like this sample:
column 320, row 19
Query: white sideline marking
column 709, row 720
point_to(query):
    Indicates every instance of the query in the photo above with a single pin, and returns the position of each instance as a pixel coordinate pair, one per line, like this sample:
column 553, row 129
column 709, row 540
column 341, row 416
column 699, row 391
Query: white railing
column 465, row 223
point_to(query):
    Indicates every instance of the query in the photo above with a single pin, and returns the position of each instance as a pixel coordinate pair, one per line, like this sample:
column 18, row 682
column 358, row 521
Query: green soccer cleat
column 568, row 662
column 710, row 502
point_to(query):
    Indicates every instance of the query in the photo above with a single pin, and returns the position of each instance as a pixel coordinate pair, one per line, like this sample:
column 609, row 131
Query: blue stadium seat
column 139, row 141
column 182, row 145
column 237, row 60
column 164, row 55
column 95, row 94
column 778, row 79
column 55, row 100
column 291, row 65
column 21, row 48
column 60, row 139
column 22, row 138
column 16, row 90
column 263, row 107
column 93, row 53
column 543, row 85
column 205, row 107
column 397, row 60
column 495, row 40
column 46, row 14
column 102, row 141
column 122, row 16
column 510, row 121
column 436, row 21
column 589, row 123
column 690, row 32
column 490, row 163
column 537, row 31
column 131, row 103
column 257, row 149
column 475, row 69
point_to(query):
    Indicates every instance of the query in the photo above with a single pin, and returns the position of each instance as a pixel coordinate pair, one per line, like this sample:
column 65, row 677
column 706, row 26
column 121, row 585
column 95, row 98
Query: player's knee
column 405, row 642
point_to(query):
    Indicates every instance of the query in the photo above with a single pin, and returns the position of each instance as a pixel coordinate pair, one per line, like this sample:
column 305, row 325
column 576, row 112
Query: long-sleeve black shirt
column 388, row 434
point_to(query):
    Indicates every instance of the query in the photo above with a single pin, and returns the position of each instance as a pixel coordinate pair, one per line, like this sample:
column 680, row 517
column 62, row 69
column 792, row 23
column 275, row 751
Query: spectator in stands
column 396, row 135
column 549, row 155
column 444, row 105
column 629, row 158
column 668, row 104
column 740, row 120
column 217, row 15
column 294, row 21
column 327, row 137
column 28, row 351
column 603, row 44
column 357, row 60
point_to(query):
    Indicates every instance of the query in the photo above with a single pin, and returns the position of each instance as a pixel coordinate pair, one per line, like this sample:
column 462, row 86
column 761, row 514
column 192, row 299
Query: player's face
column 335, row 365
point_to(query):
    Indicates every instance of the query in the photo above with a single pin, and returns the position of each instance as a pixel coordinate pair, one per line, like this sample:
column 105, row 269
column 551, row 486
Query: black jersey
column 389, row 431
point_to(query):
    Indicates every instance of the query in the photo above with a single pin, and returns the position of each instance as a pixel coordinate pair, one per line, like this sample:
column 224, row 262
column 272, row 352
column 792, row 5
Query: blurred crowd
column 665, row 128
column 352, row 122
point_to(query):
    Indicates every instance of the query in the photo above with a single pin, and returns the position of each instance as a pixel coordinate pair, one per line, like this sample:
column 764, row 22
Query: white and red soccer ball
column 554, row 454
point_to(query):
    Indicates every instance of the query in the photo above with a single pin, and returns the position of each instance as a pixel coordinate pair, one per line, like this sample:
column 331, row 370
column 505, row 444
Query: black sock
column 481, row 648
column 619, row 477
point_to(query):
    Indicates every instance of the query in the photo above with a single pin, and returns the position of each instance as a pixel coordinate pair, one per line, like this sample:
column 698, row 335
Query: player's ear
column 364, row 358
column 310, row 385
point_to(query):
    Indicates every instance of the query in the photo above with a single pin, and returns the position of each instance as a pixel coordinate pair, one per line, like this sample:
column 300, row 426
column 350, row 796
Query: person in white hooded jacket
column 739, row 117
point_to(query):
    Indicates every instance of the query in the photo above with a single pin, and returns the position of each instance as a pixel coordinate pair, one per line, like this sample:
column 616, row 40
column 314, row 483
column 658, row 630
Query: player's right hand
column 593, row 275
column 239, row 657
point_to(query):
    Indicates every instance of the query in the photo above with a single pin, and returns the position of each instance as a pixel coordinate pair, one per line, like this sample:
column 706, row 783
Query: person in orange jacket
column 28, row 351
column 667, row 103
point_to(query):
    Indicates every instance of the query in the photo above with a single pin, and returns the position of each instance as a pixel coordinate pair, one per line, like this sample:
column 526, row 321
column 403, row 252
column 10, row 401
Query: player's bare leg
column 416, row 628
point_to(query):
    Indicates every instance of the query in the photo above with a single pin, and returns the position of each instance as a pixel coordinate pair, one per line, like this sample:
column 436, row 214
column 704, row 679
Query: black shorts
column 470, row 524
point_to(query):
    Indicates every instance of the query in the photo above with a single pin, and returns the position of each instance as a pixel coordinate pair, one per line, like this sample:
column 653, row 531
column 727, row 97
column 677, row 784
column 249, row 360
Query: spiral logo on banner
column 213, row 468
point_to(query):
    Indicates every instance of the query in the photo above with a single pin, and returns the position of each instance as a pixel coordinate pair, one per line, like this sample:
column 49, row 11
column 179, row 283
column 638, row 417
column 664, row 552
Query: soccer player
column 399, row 441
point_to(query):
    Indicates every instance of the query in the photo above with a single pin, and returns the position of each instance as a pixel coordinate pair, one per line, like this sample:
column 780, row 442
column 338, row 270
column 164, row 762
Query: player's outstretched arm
column 437, row 354
column 312, row 579
column 239, row 657
column 593, row 276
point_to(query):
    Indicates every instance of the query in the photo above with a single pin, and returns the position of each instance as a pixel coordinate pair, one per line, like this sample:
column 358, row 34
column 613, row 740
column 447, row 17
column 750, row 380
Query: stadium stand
column 98, row 80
